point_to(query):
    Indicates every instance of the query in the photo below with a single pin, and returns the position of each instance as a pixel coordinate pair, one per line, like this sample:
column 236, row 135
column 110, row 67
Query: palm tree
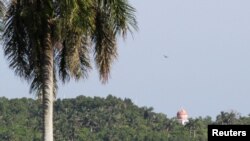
column 226, row 118
column 49, row 39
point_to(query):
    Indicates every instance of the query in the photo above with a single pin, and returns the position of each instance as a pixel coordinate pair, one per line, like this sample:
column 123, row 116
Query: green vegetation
column 102, row 119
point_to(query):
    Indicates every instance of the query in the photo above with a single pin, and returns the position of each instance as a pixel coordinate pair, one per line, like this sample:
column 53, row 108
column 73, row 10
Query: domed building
column 182, row 116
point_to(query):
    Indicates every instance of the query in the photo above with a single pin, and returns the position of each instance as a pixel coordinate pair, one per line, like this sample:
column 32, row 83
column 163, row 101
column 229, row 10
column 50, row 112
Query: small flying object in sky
column 165, row 56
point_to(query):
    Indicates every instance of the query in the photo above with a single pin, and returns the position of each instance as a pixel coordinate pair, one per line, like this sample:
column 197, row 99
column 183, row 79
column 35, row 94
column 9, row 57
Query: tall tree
column 46, row 39
column 227, row 117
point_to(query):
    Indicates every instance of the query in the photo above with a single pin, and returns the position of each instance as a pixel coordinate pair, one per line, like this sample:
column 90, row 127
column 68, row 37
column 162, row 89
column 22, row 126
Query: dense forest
column 102, row 119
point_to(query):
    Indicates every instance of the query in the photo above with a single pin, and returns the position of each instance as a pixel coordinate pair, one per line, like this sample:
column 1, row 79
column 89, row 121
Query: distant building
column 182, row 116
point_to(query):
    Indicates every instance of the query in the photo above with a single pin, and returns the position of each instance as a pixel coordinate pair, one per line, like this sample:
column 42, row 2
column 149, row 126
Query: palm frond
column 112, row 18
column 122, row 16
column 3, row 7
column 36, row 86
column 22, row 41
column 73, row 59
column 16, row 41
column 105, row 45
column 72, row 27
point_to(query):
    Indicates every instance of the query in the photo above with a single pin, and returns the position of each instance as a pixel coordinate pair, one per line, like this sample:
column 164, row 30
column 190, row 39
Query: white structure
column 182, row 116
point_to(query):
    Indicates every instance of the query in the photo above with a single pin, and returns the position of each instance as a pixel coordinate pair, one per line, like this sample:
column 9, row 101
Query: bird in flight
column 165, row 56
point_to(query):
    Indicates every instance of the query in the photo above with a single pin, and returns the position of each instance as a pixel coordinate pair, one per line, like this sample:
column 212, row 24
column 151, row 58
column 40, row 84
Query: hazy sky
column 207, row 70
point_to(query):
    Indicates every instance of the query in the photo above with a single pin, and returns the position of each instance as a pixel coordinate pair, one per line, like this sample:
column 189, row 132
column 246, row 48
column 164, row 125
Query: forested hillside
column 102, row 119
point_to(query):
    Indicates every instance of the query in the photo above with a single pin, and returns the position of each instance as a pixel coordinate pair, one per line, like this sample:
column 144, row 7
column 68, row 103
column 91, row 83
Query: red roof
column 182, row 114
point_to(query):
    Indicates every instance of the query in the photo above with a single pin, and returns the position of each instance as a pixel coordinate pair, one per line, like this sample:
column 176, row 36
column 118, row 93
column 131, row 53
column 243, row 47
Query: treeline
column 102, row 119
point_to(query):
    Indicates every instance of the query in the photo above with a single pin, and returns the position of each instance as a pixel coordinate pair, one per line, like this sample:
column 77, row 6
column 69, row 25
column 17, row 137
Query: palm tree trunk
column 48, row 84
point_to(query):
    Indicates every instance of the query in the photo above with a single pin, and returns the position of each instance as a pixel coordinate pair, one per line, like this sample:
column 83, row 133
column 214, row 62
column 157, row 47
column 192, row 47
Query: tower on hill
column 182, row 116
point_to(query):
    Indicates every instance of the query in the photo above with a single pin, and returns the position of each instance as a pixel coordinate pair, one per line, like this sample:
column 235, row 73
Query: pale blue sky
column 207, row 70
